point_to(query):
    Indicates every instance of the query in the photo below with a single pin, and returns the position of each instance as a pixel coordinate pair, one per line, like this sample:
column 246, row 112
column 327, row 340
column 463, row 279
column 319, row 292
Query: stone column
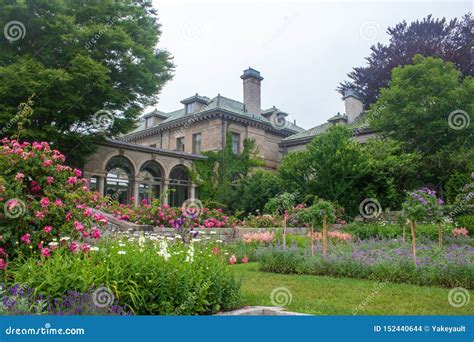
column 135, row 184
column 164, row 193
column 192, row 191
column 101, row 185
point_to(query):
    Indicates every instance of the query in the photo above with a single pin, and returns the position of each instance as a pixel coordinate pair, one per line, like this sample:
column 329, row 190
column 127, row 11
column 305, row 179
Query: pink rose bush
column 460, row 232
column 263, row 237
column 335, row 236
column 42, row 202
column 159, row 215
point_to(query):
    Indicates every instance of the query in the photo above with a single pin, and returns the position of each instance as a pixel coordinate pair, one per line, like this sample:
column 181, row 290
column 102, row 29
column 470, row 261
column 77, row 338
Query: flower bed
column 385, row 260
column 148, row 276
column 42, row 203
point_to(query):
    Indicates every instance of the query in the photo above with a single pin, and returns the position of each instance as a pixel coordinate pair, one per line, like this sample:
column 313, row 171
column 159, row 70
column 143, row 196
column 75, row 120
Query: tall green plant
column 219, row 175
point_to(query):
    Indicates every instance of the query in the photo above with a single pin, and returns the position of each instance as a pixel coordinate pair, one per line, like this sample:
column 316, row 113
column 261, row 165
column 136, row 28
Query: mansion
column 158, row 154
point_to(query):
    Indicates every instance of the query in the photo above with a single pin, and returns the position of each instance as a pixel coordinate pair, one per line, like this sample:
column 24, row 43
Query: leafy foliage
column 430, row 37
column 41, row 202
column 79, row 59
column 219, row 175
column 254, row 191
column 148, row 277
column 415, row 110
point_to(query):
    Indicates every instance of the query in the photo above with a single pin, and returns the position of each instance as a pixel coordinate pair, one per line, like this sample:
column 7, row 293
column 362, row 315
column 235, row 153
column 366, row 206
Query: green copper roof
column 218, row 102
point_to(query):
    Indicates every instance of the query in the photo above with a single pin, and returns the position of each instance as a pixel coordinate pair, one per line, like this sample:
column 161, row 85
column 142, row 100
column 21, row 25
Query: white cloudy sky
column 303, row 49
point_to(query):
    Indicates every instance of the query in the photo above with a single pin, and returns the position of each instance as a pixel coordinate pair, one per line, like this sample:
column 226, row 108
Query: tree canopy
column 92, row 66
column 449, row 40
column 428, row 108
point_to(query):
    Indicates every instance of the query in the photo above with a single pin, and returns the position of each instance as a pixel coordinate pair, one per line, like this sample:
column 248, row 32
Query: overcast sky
column 302, row 49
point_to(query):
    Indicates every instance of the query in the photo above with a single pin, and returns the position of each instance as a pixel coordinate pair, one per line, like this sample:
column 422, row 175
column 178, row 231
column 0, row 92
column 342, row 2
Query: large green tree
column 92, row 65
column 428, row 108
column 331, row 168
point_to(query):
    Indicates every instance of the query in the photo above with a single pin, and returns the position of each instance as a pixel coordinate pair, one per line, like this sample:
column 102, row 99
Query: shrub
column 383, row 230
column 41, row 201
column 151, row 277
column 466, row 221
column 384, row 260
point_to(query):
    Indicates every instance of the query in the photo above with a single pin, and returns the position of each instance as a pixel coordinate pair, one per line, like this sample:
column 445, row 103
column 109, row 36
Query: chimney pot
column 252, row 90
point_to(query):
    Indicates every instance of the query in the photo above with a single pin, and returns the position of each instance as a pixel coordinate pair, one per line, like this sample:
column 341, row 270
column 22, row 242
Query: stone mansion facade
column 157, row 155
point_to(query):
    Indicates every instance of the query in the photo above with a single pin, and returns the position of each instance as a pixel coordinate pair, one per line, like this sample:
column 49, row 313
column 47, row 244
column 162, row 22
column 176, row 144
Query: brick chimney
column 353, row 104
column 252, row 90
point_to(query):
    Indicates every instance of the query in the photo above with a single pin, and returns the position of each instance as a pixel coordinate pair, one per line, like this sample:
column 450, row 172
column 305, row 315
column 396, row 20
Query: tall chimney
column 252, row 90
column 353, row 104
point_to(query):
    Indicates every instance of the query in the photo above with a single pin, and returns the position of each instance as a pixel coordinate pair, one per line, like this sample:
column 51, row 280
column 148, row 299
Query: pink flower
column 47, row 163
column 144, row 201
column 457, row 232
column 40, row 215
column 3, row 264
column 2, row 252
column 44, row 202
column 232, row 260
column 26, row 239
column 58, row 202
column 47, row 229
column 72, row 180
column 50, row 179
column 73, row 247
column 78, row 172
column 45, row 252
column 79, row 226
column 95, row 233
column 245, row 260
column 85, row 248
column 216, row 251
column 19, row 176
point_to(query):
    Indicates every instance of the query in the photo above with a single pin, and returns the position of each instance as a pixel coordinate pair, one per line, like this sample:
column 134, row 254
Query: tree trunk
column 413, row 239
column 325, row 236
column 440, row 234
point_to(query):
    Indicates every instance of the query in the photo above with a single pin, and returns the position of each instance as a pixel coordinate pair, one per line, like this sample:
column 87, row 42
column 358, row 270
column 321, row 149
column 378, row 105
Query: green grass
column 339, row 296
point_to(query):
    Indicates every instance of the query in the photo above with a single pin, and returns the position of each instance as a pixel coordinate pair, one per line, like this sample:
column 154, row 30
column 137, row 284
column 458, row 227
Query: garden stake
column 284, row 232
column 440, row 234
column 312, row 239
column 325, row 236
column 413, row 239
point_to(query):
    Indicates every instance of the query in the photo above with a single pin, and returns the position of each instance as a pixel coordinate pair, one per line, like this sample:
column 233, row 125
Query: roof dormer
column 195, row 103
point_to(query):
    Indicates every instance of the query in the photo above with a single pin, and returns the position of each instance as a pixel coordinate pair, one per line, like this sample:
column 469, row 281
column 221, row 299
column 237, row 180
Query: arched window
column 180, row 183
column 119, row 177
column 150, row 181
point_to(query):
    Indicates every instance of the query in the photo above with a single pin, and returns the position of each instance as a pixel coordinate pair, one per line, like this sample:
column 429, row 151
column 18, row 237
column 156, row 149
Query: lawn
column 340, row 296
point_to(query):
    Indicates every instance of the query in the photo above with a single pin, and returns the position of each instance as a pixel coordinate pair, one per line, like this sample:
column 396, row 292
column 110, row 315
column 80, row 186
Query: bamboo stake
column 404, row 227
column 413, row 239
column 440, row 234
column 312, row 239
column 324, row 236
column 284, row 232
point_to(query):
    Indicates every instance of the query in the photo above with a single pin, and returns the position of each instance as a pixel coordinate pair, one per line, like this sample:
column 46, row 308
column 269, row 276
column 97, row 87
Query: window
column 149, row 122
column 180, row 144
column 190, row 107
column 197, row 143
column 236, row 143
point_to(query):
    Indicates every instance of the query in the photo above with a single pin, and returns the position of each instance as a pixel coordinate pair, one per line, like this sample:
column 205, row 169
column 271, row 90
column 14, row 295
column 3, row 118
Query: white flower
column 218, row 240
column 65, row 238
column 53, row 244
column 94, row 249
column 196, row 240
column 121, row 252
column 213, row 232
column 122, row 245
